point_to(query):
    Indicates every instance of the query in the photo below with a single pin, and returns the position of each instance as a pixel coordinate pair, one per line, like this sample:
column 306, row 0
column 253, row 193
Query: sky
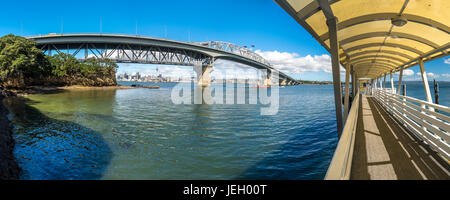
column 276, row 36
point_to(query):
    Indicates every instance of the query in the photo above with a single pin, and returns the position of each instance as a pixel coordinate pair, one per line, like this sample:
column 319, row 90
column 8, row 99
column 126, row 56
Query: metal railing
column 236, row 49
column 429, row 122
column 341, row 164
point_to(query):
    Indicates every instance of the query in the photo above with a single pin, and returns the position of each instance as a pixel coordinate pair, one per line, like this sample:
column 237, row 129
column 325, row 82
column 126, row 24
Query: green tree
column 63, row 65
column 23, row 64
column 20, row 61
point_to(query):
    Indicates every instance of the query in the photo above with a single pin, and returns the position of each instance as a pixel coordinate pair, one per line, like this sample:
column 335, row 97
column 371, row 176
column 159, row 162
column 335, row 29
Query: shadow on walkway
column 384, row 149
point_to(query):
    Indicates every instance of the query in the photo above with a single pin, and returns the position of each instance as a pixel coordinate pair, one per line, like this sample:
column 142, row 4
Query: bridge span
column 148, row 50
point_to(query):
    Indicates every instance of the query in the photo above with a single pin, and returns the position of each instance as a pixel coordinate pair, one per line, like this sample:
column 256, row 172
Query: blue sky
column 244, row 22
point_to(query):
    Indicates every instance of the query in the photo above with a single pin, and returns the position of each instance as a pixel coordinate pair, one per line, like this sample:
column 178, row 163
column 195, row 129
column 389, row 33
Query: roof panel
column 375, row 26
column 433, row 35
column 347, row 9
column 437, row 10
column 363, row 41
column 402, row 51
column 379, row 61
column 381, row 54
column 410, row 43
column 318, row 23
column 366, row 33
column 298, row 5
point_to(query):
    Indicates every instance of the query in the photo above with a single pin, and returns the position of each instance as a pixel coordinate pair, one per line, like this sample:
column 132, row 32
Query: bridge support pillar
column 204, row 74
column 266, row 77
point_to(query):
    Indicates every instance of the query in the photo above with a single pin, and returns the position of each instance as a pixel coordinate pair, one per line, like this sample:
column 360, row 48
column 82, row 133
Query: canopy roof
column 368, row 39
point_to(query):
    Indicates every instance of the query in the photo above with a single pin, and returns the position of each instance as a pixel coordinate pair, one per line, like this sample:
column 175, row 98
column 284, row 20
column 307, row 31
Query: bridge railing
column 236, row 49
column 340, row 166
column 428, row 121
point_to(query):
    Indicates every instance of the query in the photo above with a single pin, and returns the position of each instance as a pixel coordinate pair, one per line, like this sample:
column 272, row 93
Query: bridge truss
column 126, row 53
column 147, row 50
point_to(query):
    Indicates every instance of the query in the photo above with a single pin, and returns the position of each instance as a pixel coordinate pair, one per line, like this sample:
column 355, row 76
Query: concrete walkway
column 385, row 150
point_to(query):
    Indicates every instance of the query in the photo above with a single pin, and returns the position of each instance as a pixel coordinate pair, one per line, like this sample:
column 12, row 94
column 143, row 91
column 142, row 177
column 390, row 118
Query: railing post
column 425, row 84
column 400, row 81
column 380, row 82
column 347, row 92
column 404, row 90
column 436, row 92
column 375, row 83
column 353, row 82
column 392, row 84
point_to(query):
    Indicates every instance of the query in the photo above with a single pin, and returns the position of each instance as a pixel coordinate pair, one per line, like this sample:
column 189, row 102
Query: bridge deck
column 385, row 150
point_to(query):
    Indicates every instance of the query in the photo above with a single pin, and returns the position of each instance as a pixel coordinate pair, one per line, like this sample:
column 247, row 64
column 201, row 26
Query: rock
column 9, row 169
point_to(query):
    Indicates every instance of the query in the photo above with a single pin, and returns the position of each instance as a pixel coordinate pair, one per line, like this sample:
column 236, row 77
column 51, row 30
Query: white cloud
column 289, row 63
column 432, row 75
column 408, row 72
column 295, row 64
column 446, row 75
column 429, row 75
column 447, row 61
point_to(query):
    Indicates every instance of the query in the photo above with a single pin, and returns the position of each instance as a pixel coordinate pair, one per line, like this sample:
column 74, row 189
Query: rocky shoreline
column 9, row 169
column 32, row 90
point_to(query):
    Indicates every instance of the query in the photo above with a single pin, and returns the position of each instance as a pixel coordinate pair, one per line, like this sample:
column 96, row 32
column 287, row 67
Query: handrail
column 429, row 126
column 435, row 106
column 341, row 163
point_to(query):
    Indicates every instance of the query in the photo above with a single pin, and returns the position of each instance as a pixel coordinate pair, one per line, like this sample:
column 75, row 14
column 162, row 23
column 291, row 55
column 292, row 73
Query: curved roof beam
column 375, row 57
column 364, row 64
column 311, row 9
column 408, row 48
column 392, row 34
column 377, row 67
column 380, row 56
column 388, row 61
column 373, row 65
column 372, row 74
column 378, row 61
column 389, row 16
column 382, row 51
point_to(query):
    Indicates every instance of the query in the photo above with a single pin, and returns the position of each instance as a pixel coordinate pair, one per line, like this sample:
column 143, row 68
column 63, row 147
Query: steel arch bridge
column 148, row 50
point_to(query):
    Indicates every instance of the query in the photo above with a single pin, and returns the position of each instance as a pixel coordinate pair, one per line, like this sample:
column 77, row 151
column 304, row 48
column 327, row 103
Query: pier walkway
column 382, row 134
column 385, row 150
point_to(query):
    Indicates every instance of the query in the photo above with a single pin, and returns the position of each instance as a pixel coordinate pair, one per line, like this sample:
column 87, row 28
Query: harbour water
column 141, row 134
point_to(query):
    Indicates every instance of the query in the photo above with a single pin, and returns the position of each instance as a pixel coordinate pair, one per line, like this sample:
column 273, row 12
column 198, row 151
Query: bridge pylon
column 266, row 76
column 283, row 82
column 204, row 73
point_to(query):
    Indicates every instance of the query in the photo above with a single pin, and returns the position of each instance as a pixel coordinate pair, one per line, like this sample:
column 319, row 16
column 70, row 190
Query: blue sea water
column 141, row 134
